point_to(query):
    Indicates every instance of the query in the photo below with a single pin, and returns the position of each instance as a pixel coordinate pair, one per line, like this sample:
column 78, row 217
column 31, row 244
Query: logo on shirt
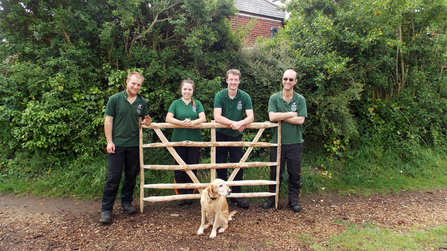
column 139, row 108
column 239, row 105
column 293, row 108
column 194, row 109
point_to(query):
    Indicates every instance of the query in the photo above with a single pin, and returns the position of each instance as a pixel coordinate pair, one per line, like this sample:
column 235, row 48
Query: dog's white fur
column 215, row 207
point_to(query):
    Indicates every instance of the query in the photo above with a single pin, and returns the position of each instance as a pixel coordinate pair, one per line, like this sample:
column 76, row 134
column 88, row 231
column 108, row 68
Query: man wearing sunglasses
column 289, row 107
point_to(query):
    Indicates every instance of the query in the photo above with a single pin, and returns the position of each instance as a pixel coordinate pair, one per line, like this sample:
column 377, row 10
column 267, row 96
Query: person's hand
column 187, row 123
column 237, row 126
column 242, row 128
column 294, row 114
column 147, row 121
column 110, row 147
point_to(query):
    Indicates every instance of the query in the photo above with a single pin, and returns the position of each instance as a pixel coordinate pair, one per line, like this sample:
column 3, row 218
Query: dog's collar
column 211, row 197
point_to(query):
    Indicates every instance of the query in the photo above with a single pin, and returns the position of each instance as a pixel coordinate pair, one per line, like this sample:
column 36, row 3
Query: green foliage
column 373, row 238
column 376, row 168
column 371, row 72
column 41, row 174
column 351, row 57
column 63, row 61
column 262, row 67
column 328, row 89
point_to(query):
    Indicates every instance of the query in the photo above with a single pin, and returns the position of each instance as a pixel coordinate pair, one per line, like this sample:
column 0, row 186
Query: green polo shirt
column 232, row 109
column 290, row 133
column 183, row 111
column 125, row 131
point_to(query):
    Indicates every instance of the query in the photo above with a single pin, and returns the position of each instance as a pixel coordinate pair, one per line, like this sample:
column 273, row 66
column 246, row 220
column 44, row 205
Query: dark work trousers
column 293, row 154
column 235, row 156
column 127, row 159
column 190, row 155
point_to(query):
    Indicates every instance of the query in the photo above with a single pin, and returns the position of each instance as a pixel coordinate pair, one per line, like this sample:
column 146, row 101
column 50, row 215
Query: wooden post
column 278, row 165
column 213, row 152
column 141, row 166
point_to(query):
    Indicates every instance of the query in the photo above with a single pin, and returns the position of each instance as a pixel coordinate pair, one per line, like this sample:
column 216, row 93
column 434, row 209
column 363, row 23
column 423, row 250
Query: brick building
column 268, row 18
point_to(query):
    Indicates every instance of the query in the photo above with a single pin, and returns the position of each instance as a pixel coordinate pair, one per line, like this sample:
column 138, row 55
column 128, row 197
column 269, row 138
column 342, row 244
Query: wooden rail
column 261, row 126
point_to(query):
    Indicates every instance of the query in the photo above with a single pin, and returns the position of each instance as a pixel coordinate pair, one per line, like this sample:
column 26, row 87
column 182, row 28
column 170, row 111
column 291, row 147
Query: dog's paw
column 212, row 235
column 200, row 231
column 221, row 230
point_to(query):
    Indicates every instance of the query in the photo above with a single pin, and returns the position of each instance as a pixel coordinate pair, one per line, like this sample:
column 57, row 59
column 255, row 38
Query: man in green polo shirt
column 121, row 128
column 229, row 107
column 288, row 107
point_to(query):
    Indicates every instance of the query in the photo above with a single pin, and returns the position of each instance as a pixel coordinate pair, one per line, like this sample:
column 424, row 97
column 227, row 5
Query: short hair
column 234, row 72
column 135, row 73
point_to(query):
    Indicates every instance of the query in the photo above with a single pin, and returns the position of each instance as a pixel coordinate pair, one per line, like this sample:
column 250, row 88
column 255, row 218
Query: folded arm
column 235, row 125
column 290, row 117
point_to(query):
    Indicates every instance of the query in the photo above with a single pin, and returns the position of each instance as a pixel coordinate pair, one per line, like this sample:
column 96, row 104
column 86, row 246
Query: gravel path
column 29, row 223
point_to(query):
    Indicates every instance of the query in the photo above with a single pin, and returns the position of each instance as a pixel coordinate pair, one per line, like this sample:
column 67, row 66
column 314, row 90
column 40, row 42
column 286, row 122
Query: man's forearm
column 247, row 121
column 108, row 131
column 281, row 116
column 222, row 120
column 295, row 120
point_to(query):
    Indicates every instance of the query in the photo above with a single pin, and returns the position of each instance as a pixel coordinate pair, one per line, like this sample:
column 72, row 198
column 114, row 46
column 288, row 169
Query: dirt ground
column 29, row 223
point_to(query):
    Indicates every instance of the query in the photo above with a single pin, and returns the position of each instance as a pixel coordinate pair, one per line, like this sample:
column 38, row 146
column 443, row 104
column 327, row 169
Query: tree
column 64, row 59
column 366, row 68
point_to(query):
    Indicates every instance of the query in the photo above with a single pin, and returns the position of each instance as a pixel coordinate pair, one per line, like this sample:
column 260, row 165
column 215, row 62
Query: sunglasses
column 287, row 79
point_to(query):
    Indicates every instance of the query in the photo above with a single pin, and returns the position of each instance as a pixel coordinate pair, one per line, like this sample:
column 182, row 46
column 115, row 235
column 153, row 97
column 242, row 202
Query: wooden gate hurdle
column 212, row 166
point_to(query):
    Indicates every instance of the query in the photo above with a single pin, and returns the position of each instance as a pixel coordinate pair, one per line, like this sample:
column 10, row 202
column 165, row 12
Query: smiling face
column 187, row 90
column 133, row 85
column 233, row 81
column 289, row 80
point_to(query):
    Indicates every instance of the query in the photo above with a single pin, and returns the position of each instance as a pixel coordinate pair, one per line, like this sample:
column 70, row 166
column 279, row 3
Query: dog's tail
column 231, row 214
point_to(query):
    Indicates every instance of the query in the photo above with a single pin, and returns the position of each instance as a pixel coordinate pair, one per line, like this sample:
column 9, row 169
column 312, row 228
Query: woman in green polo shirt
column 186, row 112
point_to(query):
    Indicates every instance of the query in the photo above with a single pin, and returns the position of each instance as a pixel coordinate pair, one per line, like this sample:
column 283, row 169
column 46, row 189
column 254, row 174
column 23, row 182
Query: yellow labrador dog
column 215, row 207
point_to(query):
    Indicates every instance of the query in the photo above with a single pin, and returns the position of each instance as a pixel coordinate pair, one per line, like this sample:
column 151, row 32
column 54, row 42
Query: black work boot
column 241, row 202
column 106, row 217
column 268, row 204
column 295, row 206
column 128, row 208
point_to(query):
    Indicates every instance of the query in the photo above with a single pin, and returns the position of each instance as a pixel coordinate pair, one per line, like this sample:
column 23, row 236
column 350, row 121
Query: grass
column 368, row 170
column 371, row 238
column 75, row 180
column 364, row 171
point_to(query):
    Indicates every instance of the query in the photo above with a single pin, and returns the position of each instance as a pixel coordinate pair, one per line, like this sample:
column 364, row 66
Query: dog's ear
column 210, row 188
